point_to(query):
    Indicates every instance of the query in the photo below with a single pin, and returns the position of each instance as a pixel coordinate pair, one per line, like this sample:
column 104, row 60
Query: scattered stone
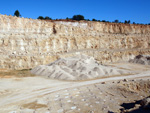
column 83, row 99
column 75, row 89
column 69, row 101
column 78, row 92
column 103, row 83
column 73, row 107
column 91, row 105
column 125, row 80
column 13, row 112
column 66, row 96
column 56, row 95
column 47, row 112
column 60, row 110
column 86, row 104
column 118, row 82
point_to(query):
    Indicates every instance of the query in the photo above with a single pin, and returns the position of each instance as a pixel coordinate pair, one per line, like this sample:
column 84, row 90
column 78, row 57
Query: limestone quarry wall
column 26, row 43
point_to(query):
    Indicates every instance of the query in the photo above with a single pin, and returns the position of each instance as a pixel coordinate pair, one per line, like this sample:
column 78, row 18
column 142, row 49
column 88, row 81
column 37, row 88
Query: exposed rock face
column 26, row 43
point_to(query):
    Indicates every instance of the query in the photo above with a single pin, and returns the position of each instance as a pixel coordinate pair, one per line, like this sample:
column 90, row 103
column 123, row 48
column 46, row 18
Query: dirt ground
column 21, row 92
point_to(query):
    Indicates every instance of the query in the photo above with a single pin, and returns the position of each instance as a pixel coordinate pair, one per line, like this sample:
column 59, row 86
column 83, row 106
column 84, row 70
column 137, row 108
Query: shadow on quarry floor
column 140, row 110
column 130, row 105
column 131, row 108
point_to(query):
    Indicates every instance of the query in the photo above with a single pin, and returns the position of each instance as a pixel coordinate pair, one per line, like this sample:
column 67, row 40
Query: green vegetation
column 81, row 17
column 78, row 17
column 67, row 18
column 127, row 22
column 134, row 23
column 94, row 19
column 17, row 13
column 46, row 18
column 41, row 17
column 103, row 20
column 116, row 21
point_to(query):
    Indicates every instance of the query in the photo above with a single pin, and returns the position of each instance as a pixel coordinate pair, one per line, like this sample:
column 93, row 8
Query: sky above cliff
column 135, row 10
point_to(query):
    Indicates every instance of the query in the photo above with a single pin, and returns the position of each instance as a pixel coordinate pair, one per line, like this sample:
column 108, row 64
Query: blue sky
column 135, row 10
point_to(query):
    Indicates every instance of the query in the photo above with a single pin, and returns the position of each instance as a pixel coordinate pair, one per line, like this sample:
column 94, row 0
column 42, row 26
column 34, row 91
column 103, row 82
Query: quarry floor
column 33, row 94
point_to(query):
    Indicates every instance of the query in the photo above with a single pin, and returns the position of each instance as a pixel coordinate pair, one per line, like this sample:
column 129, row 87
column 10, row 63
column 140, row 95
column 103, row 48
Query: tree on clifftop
column 94, row 19
column 47, row 18
column 127, row 22
column 17, row 13
column 40, row 17
column 78, row 17
column 116, row 21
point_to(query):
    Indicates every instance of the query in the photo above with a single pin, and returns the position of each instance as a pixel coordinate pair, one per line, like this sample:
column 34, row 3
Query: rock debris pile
column 79, row 67
column 141, row 59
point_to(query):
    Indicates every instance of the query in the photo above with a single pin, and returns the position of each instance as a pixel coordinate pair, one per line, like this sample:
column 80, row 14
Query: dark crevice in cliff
column 54, row 29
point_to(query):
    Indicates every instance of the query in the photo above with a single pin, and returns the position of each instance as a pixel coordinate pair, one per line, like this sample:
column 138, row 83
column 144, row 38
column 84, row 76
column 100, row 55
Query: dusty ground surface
column 25, row 94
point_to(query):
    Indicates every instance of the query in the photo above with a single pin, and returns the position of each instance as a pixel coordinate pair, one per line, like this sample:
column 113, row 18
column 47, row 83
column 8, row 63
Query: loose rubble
column 79, row 67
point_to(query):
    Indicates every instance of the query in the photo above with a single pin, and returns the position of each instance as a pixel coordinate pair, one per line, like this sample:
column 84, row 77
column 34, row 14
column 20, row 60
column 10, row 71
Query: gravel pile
column 79, row 67
column 141, row 59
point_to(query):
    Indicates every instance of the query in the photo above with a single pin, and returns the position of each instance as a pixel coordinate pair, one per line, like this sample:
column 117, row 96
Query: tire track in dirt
column 22, row 96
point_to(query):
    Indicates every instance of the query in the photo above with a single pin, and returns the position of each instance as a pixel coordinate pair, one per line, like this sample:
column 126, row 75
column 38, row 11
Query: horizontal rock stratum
column 26, row 43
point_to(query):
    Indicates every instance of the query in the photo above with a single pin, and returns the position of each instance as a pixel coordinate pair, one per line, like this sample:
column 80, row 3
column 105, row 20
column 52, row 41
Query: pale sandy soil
column 41, row 95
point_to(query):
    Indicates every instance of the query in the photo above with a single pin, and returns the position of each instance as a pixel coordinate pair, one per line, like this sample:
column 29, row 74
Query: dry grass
column 15, row 73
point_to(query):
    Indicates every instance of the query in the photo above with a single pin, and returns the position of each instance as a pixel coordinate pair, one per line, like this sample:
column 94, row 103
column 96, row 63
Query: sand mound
column 141, row 59
column 76, row 68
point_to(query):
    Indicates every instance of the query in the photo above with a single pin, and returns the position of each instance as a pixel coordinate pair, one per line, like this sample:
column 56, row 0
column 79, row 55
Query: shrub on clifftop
column 47, row 18
column 78, row 17
column 17, row 13
column 40, row 17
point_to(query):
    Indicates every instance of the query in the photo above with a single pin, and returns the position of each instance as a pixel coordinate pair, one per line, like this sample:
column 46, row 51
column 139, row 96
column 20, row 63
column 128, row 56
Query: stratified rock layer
column 26, row 43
